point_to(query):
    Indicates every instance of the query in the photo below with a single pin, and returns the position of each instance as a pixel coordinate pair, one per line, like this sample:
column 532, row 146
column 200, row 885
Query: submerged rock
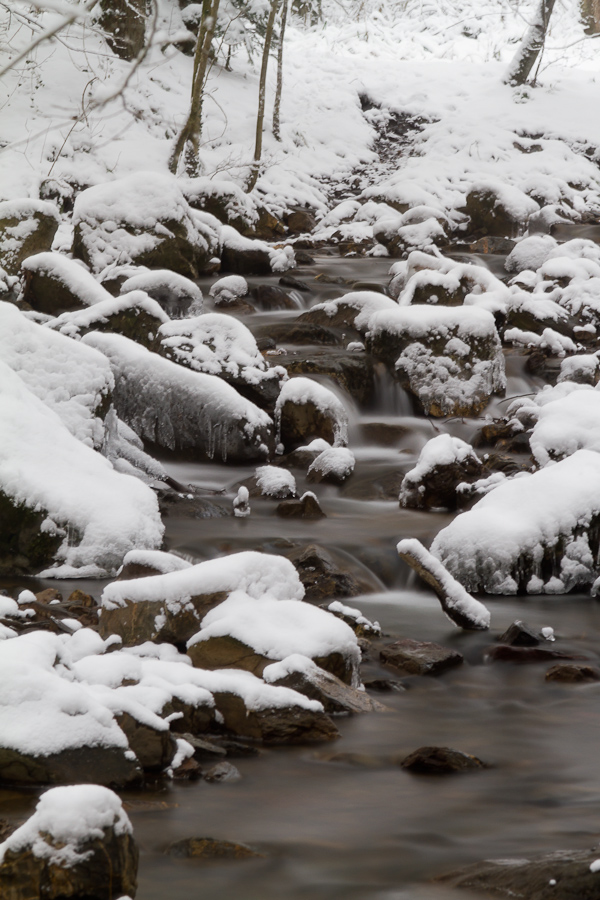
column 411, row 657
column 571, row 673
column 209, row 848
column 440, row 761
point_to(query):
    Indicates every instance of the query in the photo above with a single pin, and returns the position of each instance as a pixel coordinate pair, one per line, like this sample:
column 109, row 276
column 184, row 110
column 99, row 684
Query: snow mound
column 525, row 526
column 229, row 287
column 300, row 391
column 335, row 463
column 68, row 272
column 175, row 293
column 94, row 317
column 273, row 481
column 156, row 559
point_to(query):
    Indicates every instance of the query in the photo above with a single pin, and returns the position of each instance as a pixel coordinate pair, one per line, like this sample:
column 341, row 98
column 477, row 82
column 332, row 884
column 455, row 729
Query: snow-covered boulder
column 79, row 842
column 532, row 534
column 276, row 482
column 306, row 409
column 134, row 315
column 444, row 463
column 499, row 209
column 219, row 344
column 178, row 409
column 353, row 310
column 303, row 675
column 142, row 219
column 450, row 358
column 26, row 227
column 54, row 284
column 244, row 256
column 530, row 253
column 74, row 381
column 53, row 730
column 335, row 465
column 244, row 632
column 565, row 425
column 581, row 369
column 229, row 288
column 170, row 607
column 223, row 199
column 61, row 500
column 175, row 293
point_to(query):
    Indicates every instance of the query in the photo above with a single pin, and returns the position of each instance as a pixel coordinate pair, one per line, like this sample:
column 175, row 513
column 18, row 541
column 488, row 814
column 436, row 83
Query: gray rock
column 419, row 657
column 440, row 761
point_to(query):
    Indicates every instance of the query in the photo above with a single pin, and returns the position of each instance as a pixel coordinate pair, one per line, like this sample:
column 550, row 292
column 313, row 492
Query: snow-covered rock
column 179, row 409
column 54, row 284
column 335, row 464
column 142, row 219
column 244, row 256
column 175, row 293
column 26, row 227
column 306, row 409
column 533, row 534
column 231, row 287
column 444, row 462
column 134, row 315
column 274, row 481
column 450, row 358
column 353, row 310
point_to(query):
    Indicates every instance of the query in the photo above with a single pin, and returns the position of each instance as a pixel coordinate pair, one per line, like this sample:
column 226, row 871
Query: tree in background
column 531, row 45
column 590, row 13
column 262, row 87
column 278, row 89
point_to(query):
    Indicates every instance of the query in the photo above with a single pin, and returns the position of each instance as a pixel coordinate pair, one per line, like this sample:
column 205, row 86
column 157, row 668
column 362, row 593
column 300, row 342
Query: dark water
column 332, row 831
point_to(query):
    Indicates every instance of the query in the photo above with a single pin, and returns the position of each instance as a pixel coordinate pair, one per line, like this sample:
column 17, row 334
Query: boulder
column 302, row 675
column 154, row 748
column 335, row 466
column 353, row 372
column 325, row 578
column 26, row 227
column 572, row 673
column 307, row 507
column 134, row 315
column 305, row 410
column 440, row 761
column 107, row 765
column 493, row 213
column 177, row 295
column 286, row 725
column 244, row 256
column 78, row 843
column 142, row 219
column 301, row 220
column 443, row 464
column 54, row 284
column 419, row 657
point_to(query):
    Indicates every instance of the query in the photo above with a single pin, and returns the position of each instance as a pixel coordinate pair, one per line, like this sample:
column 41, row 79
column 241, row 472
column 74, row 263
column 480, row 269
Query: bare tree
column 262, row 87
column 531, row 45
column 187, row 147
column 277, row 106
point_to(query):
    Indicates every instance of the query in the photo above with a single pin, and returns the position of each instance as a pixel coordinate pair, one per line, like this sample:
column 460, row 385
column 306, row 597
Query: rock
column 306, row 410
column 48, row 596
column 440, row 761
column 489, row 214
column 54, row 284
column 335, row 466
column 572, row 674
column 563, row 875
column 107, row 226
column 203, row 747
column 109, row 766
column 462, row 609
column 384, row 685
column 189, row 770
column 450, row 358
column 80, row 598
column 220, row 772
column 289, row 725
column 241, row 503
column 506, row 653
column 519, row 634
column 134, row 315
column 26, row 227
column 350, row 312
column 443, row 464
column 78, row 843
column 224, row 200
column 357, row 760
column 188, row 506
column 295, row 283
column 301, row 221
column 353, row 372
column 208, row 848
column 275, row 482
column 176, row 295
column 307, row 507
column 269, row 297
column 243, row 256
column 411, row 657
column 317, row 684
column 124, row 26
column 155, row 620
column 154, row 749
column 500, row 245
column 25, row 546
column 294, row 333
column 323, row 578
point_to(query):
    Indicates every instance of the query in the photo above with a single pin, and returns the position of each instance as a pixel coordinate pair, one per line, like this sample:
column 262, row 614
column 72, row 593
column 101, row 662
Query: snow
column 186, row 407
column 281, row 258
column 241, row 506
column 72, row 324
column 100, row 513
column 338, row 462
column 273, row 481
column 442, row 450
column 65, row 820
column 72, row 273
column 279, row 628
column 259, row 575
column 350, row 612
column 175, row 291
column 484, row 547
column 365, row 303
column 300, row 391
column 156, row 559
column 72, row 380
column 566, row 425
column 229, row 287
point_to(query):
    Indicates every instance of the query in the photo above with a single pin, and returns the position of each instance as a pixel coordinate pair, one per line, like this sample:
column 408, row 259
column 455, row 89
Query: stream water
column 330, row 830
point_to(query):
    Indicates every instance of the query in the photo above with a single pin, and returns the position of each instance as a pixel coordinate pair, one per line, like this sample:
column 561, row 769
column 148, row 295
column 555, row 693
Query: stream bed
column 373, row 831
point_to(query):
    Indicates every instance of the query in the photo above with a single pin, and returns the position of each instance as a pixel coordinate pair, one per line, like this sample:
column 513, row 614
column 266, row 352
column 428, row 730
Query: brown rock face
column 291, row 725
column 335, row 696
column 107, row 766
column 419, row 657
column 489, row 215
column 440, row 761
column 302, row 422
column 307, row 507
column 154, row 749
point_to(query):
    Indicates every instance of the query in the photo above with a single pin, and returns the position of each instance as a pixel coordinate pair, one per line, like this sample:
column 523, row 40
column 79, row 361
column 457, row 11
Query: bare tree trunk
column 590, row 13
column 531, row 45
column 277, row 107
column 188, row 142
column 262, row 88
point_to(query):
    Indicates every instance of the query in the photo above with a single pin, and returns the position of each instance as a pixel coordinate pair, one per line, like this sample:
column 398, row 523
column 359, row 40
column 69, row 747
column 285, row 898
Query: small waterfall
column 390, row 398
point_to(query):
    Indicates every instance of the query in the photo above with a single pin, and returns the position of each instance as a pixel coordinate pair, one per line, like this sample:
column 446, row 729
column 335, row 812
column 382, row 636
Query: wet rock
column 289, row 725
column 334, row 466
column 189, row 506
column 353, row 372
column 572, row 674
column 242, row 256
column 109, row 766
column 490, row 215
column 48, row 596
column 221, row 772
column 295, row 333
column 440, row 761
column 154, row 748
column 443, row 464
column 204, row 748
column 384, row 685
column 152, row 620
column 317, row 684
column 209, row 848
column 357, row 760
column 307, row 507
column 306, row 410
column 301, row 221
column 385, row 433
column 269, row 297
column 91, row 855
column 520, row 634
column 80, row 598
column 410, row 657
column 563, row 875
column 26, row 227
column 25, row 546
column 506, row 653
column 360, row 625
column 295, row 283
column 464, row 610
column 323, row 578
column 490, row 244
column 189, row 770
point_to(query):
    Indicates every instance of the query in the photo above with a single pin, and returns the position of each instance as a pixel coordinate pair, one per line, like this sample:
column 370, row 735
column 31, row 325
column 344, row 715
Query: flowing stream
column 332, row 830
